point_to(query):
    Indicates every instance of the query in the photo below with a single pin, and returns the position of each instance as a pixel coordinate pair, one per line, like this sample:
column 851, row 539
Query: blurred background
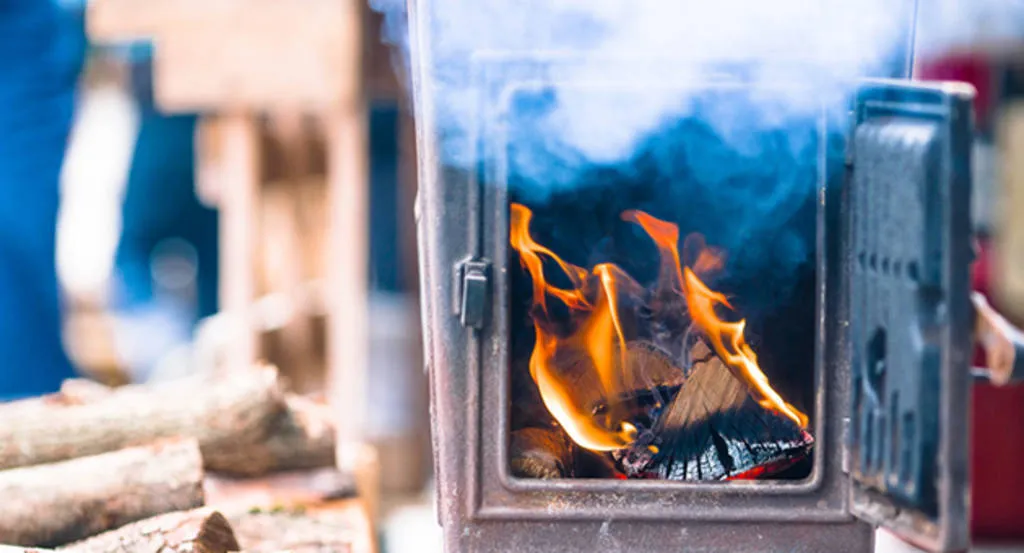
column 169, row 210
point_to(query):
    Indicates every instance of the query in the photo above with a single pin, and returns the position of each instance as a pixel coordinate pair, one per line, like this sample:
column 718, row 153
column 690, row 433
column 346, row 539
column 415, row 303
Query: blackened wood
column 300, row 437
column 541, row 453
column 221, row 413
column 713, row 430
column 201, row 530
column 541, row 449
column 296, row 531
column 53, row 504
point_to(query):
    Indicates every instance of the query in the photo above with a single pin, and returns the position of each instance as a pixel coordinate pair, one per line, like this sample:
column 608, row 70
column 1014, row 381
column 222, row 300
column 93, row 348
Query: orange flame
column 528, row 254
column 727, row 339
column 571, row 397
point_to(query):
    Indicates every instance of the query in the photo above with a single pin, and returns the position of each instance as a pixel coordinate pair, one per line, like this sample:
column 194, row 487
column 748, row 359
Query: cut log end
column 201, row 530
column 541, row 453
column 296, row 532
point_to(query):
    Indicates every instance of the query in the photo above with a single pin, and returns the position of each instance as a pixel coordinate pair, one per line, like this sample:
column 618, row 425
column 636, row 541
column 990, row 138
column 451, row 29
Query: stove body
column 900, row 196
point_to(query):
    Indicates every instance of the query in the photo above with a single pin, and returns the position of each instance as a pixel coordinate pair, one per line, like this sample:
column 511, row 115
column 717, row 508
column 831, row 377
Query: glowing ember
column 594, row 299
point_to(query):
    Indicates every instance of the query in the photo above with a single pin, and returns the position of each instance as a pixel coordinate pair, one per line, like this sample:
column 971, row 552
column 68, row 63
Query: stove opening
column 663, row 307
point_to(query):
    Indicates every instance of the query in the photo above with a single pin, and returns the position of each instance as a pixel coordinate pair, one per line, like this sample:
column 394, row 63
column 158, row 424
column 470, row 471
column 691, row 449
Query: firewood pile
column 147, row 468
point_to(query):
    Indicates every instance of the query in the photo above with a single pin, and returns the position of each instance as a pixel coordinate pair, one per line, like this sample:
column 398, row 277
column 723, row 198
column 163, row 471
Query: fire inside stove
column 654, row 381
column 663, row 322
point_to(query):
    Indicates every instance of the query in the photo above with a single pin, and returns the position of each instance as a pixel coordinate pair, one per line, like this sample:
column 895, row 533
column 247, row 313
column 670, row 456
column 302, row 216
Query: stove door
column 910, row 317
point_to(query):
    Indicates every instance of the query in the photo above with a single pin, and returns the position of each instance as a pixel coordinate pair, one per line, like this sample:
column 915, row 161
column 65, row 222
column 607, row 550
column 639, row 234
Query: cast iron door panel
column 910, row 315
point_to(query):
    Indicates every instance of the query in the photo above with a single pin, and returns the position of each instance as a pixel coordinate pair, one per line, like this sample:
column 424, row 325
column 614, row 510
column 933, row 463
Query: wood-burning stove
column 884, row 381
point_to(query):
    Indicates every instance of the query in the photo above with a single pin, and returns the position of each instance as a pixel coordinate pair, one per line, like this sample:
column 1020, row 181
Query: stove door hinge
column 471, row 300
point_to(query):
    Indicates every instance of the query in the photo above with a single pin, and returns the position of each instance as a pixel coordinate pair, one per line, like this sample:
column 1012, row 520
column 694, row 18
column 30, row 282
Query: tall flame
column 571, row 405
column 600, row 335
column 727, row 339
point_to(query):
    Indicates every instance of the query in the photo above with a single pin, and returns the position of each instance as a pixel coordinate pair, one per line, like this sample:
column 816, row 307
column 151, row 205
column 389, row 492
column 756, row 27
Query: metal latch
column 472, row 291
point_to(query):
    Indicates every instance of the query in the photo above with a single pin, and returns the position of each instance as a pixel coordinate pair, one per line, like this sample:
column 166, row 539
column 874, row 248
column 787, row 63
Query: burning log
column 546, row 451
column 609, row 355
column 53, row 504
column 197, row 531
column 541, row 453
column 714, row 430
column 649, row 373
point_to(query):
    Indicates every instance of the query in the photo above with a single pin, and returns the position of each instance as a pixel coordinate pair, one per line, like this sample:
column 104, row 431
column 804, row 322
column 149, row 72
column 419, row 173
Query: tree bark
column 53, row 504
column 300, row 437
column 220, row 413
column 295, row 532
column 201, row 530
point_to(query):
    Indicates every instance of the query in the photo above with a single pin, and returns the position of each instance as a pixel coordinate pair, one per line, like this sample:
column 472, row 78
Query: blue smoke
column 750, row 191
column 739, row 168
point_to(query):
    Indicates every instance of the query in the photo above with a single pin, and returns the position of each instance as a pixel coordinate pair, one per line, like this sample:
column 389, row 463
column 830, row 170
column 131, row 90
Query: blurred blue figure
column 161, row 209
column 42, row 51
column 42, row 48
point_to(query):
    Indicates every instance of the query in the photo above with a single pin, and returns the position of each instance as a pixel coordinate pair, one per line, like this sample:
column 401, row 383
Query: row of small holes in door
column 886, row 266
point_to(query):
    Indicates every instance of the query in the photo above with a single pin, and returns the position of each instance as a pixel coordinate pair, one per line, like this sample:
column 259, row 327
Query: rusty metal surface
column 617, row 536
column 909, row 447
column 480, row 506
column 469, row 373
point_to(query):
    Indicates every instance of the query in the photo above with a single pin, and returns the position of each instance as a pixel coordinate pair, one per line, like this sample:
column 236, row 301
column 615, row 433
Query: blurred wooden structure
column 282, row 152
column 1009, row 245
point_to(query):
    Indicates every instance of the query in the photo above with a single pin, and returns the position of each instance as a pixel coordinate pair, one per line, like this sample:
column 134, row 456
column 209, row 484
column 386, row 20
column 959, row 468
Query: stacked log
column 244, row 423
column 57, row 503
column 99, row 469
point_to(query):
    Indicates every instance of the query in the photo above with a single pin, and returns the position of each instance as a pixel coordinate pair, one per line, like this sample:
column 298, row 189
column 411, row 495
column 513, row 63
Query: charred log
column 714, row 430
column 53, row 504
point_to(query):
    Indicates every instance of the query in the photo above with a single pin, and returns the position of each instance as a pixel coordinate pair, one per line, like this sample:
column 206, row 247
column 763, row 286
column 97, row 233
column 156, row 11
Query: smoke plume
column 735, row 167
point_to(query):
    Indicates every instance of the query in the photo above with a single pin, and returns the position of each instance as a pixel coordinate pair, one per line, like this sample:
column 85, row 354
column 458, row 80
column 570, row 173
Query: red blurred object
column 997, row 415
column 997, row 451
column 969, row 68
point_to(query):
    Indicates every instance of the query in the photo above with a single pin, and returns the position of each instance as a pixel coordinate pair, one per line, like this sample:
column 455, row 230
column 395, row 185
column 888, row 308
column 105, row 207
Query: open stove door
column 909, row 236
